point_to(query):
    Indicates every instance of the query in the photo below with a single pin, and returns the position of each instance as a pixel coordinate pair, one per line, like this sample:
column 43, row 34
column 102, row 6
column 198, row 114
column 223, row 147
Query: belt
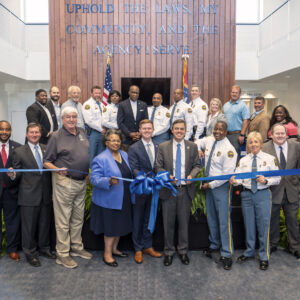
column 72, row 177
column 177, row 187
column 249, row 190
column 233, row 132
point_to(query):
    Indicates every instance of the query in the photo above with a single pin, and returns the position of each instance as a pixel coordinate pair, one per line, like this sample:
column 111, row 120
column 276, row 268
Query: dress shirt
column 265, row 162
column 57, row 109
column 200, row 111
column 284, row 150
column 33, row 150
column 236, row 112
column 78, row 107
column 92, row 114
column 151, row 147
column 6, row 148
column 48, row 115
column 109, row 116
column 134, row 107
column 161, row 122
column 182, row 147
column 256, row 113
column 223, row 160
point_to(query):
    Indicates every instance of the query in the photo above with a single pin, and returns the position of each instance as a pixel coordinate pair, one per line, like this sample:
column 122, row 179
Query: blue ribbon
column 33, row 170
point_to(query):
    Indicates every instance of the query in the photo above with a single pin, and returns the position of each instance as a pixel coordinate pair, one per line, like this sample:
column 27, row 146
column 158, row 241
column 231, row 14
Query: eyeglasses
column 114, row 141
column 70, row 117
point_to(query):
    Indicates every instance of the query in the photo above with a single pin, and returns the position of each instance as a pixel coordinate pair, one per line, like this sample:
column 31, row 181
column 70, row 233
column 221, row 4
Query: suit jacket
column 103, row 167
column 33, row 186
column 35, row 113
column 11, row 185
column 50, row 106
column 260, row 123
column 139, row 159
column 164, row 162
column 288, row 183
column 125, row 118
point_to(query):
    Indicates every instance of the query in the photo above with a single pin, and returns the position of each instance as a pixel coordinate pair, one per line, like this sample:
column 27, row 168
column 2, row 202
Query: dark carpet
column 202, row 279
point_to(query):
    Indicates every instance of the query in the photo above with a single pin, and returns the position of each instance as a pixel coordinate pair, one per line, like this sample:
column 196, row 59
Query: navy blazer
column 125, row 118
column 139, row 159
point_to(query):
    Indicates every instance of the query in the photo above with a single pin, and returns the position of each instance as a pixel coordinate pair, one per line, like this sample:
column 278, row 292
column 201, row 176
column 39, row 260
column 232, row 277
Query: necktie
column 178, row 164
column 172, row 115
column 282, row 159
column 209, row 159
column 38, row 157
column 98, row 103
column 3, row 155
column 153, row 114
column 253, row 180
column 150, row 155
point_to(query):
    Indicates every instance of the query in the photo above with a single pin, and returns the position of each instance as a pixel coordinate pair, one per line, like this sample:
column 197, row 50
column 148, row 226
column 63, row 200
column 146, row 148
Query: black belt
column 74, row 178
column 249, row 190
column 177, row 187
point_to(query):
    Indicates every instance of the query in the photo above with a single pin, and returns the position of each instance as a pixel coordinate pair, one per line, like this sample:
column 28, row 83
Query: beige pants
column 68, row 204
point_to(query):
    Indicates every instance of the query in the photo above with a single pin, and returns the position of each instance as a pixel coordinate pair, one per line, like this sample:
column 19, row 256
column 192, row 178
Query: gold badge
column 168, row 115
column 159, row 113
column 264, row 163
column 87, row 107
column 104, row 109
column 203, row 107
column 177, row 110
column 219, row 153
column 276, row 162
column 190, row 110
column 230, row 154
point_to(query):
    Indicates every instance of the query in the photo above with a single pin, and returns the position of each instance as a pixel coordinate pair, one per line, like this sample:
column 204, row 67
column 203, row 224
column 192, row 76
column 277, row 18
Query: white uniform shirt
column 109, row 116
column 182, row 159
column 161, row 121
column 183, row 111
column 223, row 160
column 264, row 162
column 93, row 114
column 200, row 112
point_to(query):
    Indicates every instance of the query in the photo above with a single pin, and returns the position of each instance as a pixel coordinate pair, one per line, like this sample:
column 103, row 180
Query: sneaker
column 81, row 253
column 66, row 261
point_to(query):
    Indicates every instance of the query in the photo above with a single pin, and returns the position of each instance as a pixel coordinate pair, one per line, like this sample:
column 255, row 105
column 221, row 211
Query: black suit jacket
column 11, row 185
column 51, row 108
column 33, row 186
column 35, row 113
column 125, row 118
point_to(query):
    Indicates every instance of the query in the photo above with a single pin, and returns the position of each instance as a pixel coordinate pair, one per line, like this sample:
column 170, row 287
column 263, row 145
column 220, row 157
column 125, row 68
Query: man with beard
column 54, row 107
column 9, row 194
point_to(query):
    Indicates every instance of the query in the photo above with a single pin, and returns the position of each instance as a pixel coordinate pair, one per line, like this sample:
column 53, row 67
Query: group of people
column 123, row 138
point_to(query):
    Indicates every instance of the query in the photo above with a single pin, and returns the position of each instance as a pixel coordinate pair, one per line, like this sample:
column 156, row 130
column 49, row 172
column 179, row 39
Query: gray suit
column 286, row 195
column 180, row 205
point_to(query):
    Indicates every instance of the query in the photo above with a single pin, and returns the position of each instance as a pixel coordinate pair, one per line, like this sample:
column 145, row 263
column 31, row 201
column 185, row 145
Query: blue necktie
column 38, row 157
column 153, row 114
column 178, row 164
column 172, row 115
column 209, row 159
column 98, row 103
column 253, row 180
column 282, row 159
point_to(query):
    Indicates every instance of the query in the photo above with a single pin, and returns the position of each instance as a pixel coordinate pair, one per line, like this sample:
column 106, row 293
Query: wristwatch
column 243, row 135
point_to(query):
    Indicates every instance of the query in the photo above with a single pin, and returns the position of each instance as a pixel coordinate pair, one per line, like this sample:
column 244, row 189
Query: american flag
column 107, row 83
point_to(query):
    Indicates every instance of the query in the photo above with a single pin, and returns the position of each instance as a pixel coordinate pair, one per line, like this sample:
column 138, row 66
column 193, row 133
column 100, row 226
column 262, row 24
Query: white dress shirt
column 182, row 159
column 48, row 115
column 6, row 148
column 284, row 150
column 57, row 109
column 134, row 108
column 33, row 150
column 151, row 147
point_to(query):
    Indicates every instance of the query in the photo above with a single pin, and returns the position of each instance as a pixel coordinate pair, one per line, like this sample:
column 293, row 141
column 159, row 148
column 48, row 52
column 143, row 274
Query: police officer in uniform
column 181, row 110
column 110, row 112
column 256, row 199
column 158, row 115
column 220, row 159
column 92, row 113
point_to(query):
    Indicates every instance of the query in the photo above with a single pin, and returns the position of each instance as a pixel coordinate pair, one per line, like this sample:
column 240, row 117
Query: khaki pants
column 68, row 204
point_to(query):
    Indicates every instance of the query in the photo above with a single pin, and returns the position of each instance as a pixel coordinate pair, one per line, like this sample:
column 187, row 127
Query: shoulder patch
column 219, row 153
column 168, row 115
column 190, row 110
column 104, row 109
column 230, row 154
column 203, row 107
column 276, row 162
column 87, row 107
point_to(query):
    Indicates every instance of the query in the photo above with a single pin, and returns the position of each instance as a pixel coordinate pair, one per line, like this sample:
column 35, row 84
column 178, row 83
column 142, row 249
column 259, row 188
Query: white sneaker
column 81, row 253
column 66, row 261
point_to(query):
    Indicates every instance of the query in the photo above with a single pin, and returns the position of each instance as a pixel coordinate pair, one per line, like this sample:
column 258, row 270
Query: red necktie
column 3, row 155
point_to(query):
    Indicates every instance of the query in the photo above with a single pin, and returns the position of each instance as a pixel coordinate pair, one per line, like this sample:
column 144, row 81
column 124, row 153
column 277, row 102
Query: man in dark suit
column 130, row 113
column 34, row 196
column 40, row 114
column 54, row 107
column 286, row 194
column 9, row 194
column 141, row 156
column 180, row 158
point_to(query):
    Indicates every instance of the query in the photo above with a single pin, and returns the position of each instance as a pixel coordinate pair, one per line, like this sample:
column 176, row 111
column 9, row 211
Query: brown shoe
column 152, row 252
column 138, row 257
column 14, row 256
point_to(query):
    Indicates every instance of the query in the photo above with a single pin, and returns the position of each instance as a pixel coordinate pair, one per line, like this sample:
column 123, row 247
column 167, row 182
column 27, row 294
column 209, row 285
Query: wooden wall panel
column 211, row 63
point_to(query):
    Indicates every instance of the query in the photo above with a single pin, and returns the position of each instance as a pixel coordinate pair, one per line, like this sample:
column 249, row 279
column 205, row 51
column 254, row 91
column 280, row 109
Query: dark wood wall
column 211, row 64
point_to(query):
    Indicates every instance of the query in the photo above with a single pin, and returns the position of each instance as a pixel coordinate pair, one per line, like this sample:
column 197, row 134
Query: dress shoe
column 48, row 254
column 33, row 261
column 273, row 249
column 208, row 252
column 263, row 265
column 14, row 256
column 227, row 263
column 122, row 254
column 152, row 252
column 168, row 260
column 111, row 264
column 138, row 257
column 241, row 259
column 184, row 259
column 297, row 254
